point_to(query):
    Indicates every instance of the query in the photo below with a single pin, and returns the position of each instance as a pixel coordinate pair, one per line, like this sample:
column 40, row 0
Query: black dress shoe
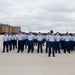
column 69, row 52
column 3, row 51
column 32, row 52
column 54, row 56
column 45, row 52
column 59, row 52
column 25, row 47
column 27, row 52
column 37, row 52
column 17, row 52
column 64, row 52
column 48, row 55
column 7, row 52
column 22, row 52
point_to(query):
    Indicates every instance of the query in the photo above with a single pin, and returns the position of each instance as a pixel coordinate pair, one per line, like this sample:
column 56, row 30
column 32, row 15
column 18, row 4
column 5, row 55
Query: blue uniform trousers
column 67, row 46
column 47, row 46
column 74, row 45
column 62, row 44
column 71, row 45
column 57, row 47
column 39, row 46
column 10, row 45
column 14, row 44
column 30, row 46
column 20, row 45
column 5, row 45
column 25, row 43
column 51, row 45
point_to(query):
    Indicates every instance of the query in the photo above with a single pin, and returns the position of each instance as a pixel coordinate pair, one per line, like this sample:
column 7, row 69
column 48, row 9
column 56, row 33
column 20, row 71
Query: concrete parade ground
column 13, row 63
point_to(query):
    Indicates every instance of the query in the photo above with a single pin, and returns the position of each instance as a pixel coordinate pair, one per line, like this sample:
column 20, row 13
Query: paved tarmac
column 13, row 63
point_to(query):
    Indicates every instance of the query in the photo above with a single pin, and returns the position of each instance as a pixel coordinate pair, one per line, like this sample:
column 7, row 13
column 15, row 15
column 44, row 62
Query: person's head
column 71, row 34
column 67, row 34
column 8, row 34
column 39, row 33
column 20, row 32
column 30, row 33
column 51, row 32
column 57, row 33
column 48, row 33
column 5, row 33
column 24, row 33
column 74, row 34
column 14, row 34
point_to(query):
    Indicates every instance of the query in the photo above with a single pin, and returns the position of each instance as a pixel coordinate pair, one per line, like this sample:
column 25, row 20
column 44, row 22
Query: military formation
column 55, row 42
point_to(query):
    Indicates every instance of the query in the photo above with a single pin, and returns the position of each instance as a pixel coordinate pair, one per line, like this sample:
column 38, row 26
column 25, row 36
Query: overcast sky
column 39, row 15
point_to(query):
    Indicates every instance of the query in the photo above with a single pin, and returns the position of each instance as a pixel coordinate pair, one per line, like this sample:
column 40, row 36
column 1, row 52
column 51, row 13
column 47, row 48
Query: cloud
column 39, row 15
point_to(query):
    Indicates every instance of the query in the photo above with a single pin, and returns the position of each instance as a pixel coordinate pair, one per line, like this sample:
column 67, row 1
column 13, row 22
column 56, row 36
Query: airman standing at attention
column 51, row 44
column 20, row 42
column 30, row 38
column 47, row 42
column 39, row 39
column 5, row 43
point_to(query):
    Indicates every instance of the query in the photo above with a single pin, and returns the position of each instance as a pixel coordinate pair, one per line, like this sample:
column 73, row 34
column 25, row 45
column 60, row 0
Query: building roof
column 16, row 26
column 7, row 25
column 4, row 24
